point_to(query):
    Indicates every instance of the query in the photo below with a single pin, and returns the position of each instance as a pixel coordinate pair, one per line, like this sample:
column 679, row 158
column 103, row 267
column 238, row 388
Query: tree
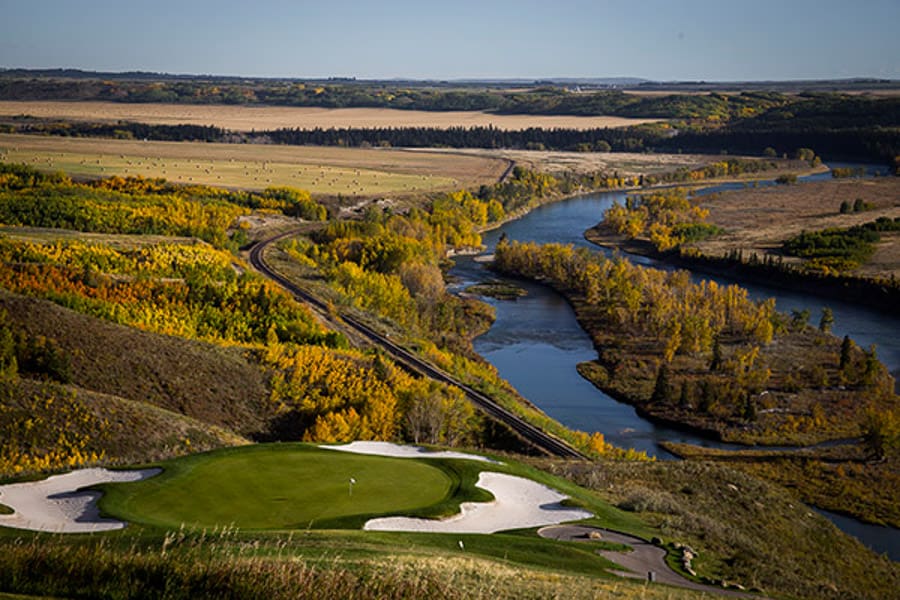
column 749, row 410
column 846, row 353
column 684, row 399
column 707, row 396
column 870, row 370
column 716, row 363
column 881, row 433
column 827, row 320
column 662, row 390
column 799, row 319
column 424, row 419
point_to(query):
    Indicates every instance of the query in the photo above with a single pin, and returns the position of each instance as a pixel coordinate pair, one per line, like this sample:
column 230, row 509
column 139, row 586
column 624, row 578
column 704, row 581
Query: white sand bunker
column 398, row 451
column 55, row 504
column 518, row 502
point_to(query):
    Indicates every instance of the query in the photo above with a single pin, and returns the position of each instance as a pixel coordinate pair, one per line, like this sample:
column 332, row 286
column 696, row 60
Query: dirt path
column 645, row 557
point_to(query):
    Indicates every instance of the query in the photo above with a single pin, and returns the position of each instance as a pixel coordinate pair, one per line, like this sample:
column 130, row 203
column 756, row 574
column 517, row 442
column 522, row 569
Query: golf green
column 274, row 486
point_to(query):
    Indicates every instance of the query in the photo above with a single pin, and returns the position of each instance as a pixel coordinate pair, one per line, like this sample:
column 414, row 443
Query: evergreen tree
column 684, row 399
column 716, row 363
column 846, row 353
column 662, row 390
column 707, row 396
column 749, row 411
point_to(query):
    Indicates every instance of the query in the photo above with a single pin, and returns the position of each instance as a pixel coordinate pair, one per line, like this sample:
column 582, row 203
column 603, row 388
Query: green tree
column 846, row 353
column 662, row 390
column 716, row 363
column 684, row 399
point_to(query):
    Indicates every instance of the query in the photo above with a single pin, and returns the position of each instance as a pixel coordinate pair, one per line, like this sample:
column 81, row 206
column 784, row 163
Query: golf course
column 292, row 486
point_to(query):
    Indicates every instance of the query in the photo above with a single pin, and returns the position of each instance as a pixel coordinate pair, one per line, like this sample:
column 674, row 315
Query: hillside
column 47, row 425
column 215, row 385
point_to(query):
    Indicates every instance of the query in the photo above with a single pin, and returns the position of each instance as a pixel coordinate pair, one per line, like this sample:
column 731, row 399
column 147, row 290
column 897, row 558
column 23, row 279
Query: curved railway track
column 529, row 432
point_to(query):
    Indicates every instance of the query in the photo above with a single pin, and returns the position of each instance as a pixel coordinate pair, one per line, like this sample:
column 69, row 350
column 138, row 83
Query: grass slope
column 215, row 385
column 744, row 529
column 118, row 430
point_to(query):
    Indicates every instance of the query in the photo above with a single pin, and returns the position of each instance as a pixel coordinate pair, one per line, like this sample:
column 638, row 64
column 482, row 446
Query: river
column 536, row 342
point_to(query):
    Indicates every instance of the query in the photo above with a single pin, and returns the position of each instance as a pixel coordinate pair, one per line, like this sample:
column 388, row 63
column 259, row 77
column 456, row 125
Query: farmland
column 247, row 118
column 628, row 164
column 326, row 171
column 760, row 220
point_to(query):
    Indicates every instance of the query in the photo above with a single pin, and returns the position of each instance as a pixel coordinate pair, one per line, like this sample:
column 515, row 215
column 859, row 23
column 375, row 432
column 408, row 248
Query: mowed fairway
column 279, row 486
column 325, row 171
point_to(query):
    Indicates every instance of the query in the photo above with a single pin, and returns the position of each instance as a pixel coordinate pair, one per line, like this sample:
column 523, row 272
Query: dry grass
column 245, row 118
column 744, row 529
column 759, row 220
column 218, row 386
column 626, row 163
column 331, row 171
column 44, row 235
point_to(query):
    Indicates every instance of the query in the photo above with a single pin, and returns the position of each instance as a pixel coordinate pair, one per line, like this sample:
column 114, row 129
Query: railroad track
column 532, row 434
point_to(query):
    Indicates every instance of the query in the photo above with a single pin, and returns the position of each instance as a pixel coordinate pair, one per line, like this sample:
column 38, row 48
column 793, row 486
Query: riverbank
column 878, row 295
column 754, row 223
column 790, row 167
column 839, row 479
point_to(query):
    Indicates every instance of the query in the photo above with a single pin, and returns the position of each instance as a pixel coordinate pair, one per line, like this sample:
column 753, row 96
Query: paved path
column 645, row 557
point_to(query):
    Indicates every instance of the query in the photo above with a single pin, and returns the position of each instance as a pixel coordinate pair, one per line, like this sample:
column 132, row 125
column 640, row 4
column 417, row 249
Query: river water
column 536, row 342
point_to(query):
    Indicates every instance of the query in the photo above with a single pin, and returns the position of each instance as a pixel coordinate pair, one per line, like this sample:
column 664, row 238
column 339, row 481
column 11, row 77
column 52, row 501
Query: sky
column 663, row 40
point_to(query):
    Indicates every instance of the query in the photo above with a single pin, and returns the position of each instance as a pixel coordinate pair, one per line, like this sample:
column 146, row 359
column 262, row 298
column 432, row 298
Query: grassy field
column 759, row 220
column 626, row 163
column 246, row 118
column 281, row 487
column 327, row 171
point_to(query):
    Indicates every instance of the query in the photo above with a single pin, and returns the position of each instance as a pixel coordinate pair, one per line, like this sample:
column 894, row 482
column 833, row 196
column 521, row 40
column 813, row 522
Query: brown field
column 245, row 118
column 321, row 170
column 627, row 163
column 759, row 220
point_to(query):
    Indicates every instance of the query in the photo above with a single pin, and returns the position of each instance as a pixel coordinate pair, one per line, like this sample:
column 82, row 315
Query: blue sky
column 452, row 39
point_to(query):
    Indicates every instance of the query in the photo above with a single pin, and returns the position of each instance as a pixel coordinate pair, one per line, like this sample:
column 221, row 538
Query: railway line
column 534, row 435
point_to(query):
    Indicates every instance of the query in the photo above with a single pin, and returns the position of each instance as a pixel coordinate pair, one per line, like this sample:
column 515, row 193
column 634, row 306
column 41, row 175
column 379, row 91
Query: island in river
column 802, row 387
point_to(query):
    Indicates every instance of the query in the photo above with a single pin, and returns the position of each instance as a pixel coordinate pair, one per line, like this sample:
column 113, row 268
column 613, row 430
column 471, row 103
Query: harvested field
column 245, row 118
column 759, row 220
column 627, row 163
column 329, row 171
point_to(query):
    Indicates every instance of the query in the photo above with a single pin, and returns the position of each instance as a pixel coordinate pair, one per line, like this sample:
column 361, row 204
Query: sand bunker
column 55, row 504
column 397, row 451
column 518, row 502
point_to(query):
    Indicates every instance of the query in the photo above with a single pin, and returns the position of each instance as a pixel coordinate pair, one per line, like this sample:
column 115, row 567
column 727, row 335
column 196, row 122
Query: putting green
column 275, row 486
